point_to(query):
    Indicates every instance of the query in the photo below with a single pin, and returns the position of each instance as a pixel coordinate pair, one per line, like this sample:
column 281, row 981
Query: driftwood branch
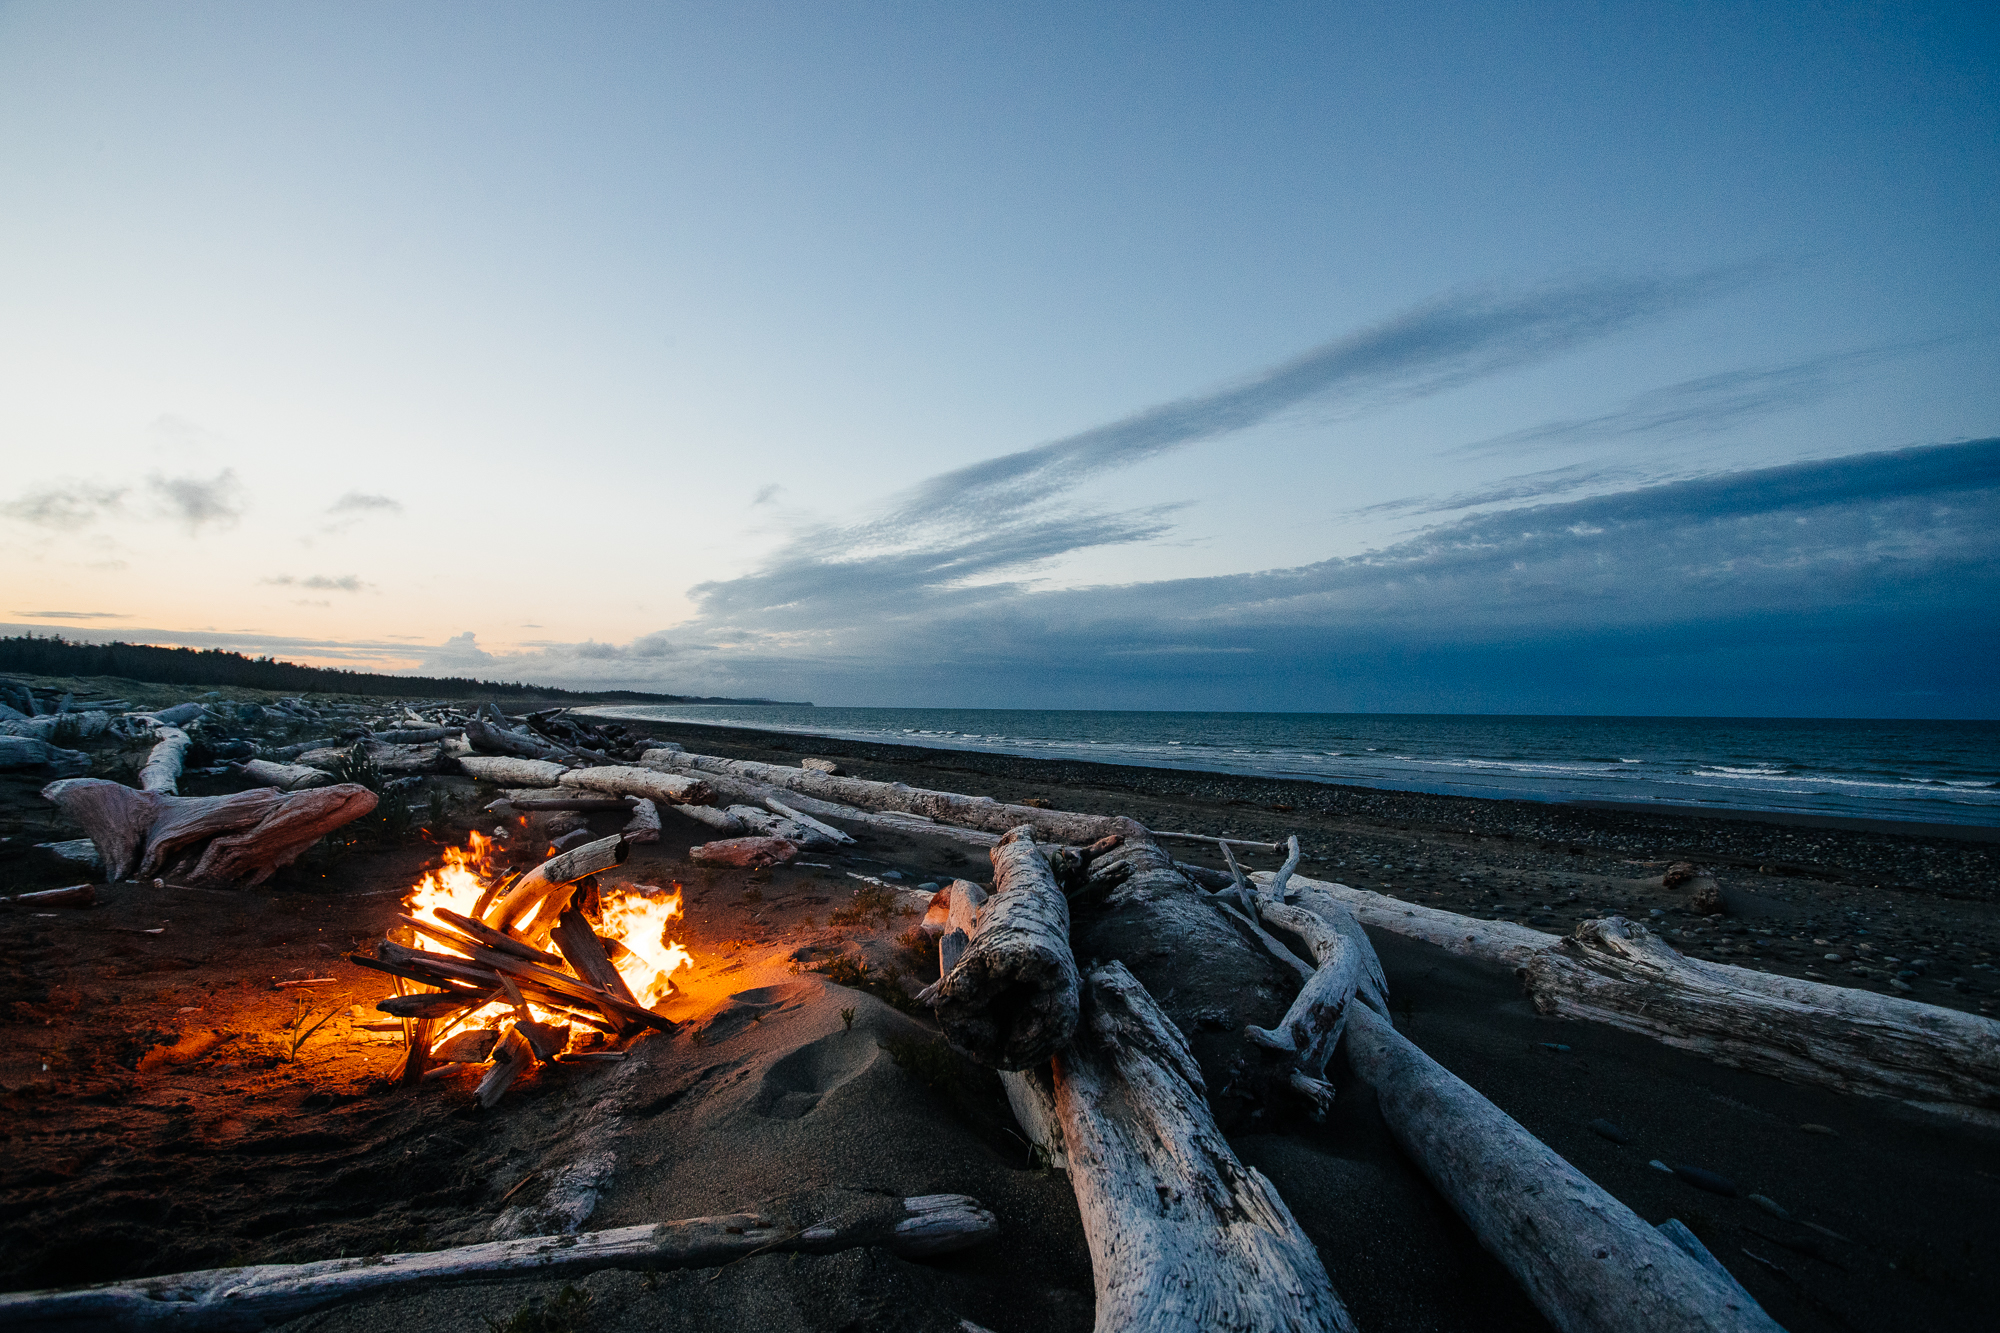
column 162, row 770
column 250, row 833
column 255, row 1297
column 1586, row 1260
column 1183, row 1237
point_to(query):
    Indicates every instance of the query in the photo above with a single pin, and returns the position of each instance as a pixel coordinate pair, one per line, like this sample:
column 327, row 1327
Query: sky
column 1569, row 358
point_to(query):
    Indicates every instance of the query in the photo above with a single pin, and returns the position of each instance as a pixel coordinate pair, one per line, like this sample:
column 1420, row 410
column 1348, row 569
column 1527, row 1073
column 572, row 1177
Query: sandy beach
column 783, row 1082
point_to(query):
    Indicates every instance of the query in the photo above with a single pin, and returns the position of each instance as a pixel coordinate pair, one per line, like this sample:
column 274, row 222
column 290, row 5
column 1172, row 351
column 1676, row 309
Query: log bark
column 636, row 781
column 239, row 1300
column 1587, row 1261
column 1011, row 1002
column 296, row 823
column 180, row 822
column 1617, row 972
column 162, row 770
column 976, row 812
column 115, row 817
column 511, row 772
column 1183, row 1237
column 645, row 822
column 285, row 777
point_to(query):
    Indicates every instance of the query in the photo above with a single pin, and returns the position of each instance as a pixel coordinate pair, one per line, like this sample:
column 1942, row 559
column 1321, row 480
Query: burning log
column 1182, row 1235
column 285, row 777
column 162, row 770
column 1011, row 1001
column 626, row 781
column 555, row 874
column 584, row 952
column 471, row 1047
column 253, row 832
column 540, row 773
column 435, row 1004
column 1617, row 972
column 1586, row 1260
column 976, row 812
column 645, row 822
column 241, row 1300
column 511, row 1057
column 744, row 853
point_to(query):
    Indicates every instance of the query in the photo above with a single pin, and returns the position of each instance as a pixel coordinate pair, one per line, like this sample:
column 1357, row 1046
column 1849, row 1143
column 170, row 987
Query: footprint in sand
column 794, row 1085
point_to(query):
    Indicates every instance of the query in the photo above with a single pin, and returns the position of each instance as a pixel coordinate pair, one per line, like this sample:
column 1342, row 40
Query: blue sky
column 1551, row 358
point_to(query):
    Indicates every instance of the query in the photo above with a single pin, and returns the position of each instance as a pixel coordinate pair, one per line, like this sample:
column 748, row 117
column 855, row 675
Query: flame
column 633, row 918
column 639, row 921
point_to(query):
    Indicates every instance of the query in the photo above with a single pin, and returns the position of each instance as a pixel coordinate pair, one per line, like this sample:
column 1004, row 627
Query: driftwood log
column 621, row 780
column 33, row 752
column 1183, row 1237
column 1010, row 1001
column 739, row 790
column 490, row 739
column 977, row 812
column 255, row 1297
column 511, row 772
column 719, row 820
column 162, row 770
column 644, row 825
column 1587, row 1261
column 551, row 877
column 285, row 777
column 248, row 834
column 1617, row 972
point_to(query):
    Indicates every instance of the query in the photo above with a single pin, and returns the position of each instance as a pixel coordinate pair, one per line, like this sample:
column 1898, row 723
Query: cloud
column 357, row 502
column 200, row 501
column 74, row 615
column 767, row 493
column 73, row 505
column 1704, row 405
column 1854, row 559
column 321, row 583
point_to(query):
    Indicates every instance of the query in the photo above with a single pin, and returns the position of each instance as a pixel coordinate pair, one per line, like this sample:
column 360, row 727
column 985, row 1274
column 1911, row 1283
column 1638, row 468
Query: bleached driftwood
column 826, row 831
column 1618, row 972
column 252, row 832
column 490, row 739
column 511, row 772
column 645, row 822
column 31, row 752
column 621, row 780
column 978, row 812
column 1219, row 842
column 1312, row 1027
column 251, row 1298
column 1011, row 1001
column 719, row 820
column 1032, row 1095
column 956, row 911
column 550, row 877
column 765, row 824
column 285, row 777
column 739, row 790
column 1586, row 1260
column 76, row 895
column 162, row 770
column 1183, row 1237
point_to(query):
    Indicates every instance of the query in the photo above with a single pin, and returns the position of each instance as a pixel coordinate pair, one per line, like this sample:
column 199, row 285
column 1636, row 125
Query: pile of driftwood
column 499, row 956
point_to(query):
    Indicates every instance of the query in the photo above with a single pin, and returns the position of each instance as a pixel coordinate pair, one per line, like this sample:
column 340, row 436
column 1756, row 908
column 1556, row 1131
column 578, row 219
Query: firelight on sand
column 635, row 920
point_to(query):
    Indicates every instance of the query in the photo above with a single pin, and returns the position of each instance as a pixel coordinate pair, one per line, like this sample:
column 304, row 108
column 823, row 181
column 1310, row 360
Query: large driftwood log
column 739, row 790
column 634, row 781
column 511, row 772
column 978, row 812
column 1586, row 1260
column 644, row 825
column 253, row 832
column 1183, row 1237
column 162, row 770
column 285, row 777
column 32, row 752
column 490, row 739
column 765, row 824
column 1617, row 972
column 822, row 1222
column 1010, row 1002
column 720, row 820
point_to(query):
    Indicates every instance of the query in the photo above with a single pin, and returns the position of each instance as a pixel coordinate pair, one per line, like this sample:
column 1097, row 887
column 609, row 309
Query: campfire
column 545, row 965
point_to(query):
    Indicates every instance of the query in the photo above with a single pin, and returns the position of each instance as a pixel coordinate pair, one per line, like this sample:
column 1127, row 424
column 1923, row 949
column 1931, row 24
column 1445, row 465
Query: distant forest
column 33, row 655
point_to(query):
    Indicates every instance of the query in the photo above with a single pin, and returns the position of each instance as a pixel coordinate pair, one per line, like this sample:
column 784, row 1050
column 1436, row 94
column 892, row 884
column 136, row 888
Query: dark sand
column 240, row 1156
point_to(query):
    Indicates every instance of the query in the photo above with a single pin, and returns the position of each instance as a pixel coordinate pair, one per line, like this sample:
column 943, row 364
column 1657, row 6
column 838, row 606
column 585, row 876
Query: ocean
column 1940, row 772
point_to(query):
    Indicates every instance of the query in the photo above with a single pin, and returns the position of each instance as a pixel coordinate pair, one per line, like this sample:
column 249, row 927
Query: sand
column 766, row 1089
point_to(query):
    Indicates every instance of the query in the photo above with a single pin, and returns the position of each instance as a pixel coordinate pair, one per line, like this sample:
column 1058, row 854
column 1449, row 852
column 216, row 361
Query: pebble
column 1770, row 1206
column 1900, row 984
column 1555, row 1046
column 1708, row 1180
column 1819, row 1129
column 1604, row 1129
column 1659, row 1165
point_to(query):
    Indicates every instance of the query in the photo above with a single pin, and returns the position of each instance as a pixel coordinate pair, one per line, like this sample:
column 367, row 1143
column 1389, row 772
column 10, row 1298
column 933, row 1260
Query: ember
column 478, row 937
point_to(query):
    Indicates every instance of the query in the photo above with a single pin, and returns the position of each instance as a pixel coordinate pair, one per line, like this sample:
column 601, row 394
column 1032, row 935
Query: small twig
column 519, row 1185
